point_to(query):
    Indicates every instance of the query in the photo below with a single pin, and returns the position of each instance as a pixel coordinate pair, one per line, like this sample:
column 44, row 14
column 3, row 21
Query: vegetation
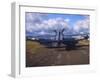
column 34, row 47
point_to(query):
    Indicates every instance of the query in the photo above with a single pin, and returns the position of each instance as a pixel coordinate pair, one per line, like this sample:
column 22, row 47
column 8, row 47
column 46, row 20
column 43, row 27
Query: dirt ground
column 39, row 55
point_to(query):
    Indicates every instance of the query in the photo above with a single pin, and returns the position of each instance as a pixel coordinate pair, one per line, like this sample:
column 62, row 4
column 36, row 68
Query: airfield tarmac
column 38, row 55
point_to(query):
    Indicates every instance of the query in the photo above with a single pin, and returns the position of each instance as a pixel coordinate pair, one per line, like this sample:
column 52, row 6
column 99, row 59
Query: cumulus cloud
column 82, row 25
column 36, row 22
column 55, row 23
column 32, row 19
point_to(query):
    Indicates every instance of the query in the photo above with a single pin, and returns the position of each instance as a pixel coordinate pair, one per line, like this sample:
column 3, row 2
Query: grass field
column 39, row 55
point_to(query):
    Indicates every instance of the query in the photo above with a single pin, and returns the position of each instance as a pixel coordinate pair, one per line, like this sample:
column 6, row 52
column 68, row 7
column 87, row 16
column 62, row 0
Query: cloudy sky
column 44, row 23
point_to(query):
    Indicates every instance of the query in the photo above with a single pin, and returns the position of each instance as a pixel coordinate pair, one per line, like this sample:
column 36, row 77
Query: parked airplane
column 74, row 39
column 60, row 38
